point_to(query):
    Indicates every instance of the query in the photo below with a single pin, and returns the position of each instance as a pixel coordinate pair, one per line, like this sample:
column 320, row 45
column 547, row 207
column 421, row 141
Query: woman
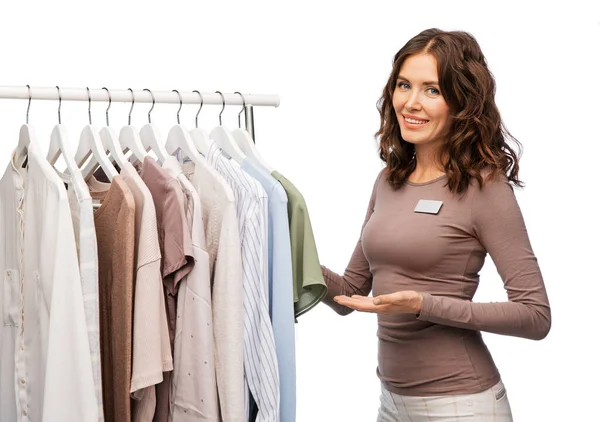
column 443, row 201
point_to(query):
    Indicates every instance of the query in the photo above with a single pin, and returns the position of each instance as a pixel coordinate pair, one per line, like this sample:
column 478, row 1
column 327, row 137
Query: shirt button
column 25, row 412
column 8, row 273
column 23, row 381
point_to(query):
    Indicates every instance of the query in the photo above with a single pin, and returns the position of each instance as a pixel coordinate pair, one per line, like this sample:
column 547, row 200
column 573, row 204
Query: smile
column 415, row 122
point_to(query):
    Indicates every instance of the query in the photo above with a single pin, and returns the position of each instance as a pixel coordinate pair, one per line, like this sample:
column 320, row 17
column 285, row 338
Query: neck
column 428, row 164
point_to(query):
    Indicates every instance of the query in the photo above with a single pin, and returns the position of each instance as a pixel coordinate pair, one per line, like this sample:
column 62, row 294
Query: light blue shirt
column 281, row 296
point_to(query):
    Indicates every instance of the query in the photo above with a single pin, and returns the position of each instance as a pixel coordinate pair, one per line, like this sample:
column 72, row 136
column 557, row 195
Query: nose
column 413, row 101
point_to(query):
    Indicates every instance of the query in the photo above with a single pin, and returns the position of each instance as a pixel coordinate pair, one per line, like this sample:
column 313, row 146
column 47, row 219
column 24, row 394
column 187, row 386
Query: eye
column 437, row 92
column 401, row 84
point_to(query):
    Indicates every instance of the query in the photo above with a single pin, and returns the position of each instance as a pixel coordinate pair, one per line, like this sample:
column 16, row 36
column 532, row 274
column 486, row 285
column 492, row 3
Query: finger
column 353, row 297
column 357, row 304
column 382, row 300
column 388, row 299
column 362, row 298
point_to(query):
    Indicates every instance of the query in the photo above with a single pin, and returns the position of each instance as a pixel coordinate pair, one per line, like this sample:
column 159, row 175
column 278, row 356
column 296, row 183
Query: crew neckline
column 443, row 176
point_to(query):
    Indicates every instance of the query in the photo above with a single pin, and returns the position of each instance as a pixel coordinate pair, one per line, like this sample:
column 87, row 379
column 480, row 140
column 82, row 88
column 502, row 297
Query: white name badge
column 428, row 206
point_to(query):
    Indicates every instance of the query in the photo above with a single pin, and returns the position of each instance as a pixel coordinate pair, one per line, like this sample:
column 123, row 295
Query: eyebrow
column 424, row 83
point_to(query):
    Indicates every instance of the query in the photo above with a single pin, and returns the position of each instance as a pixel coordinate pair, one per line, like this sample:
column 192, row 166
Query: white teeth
column 417, row 122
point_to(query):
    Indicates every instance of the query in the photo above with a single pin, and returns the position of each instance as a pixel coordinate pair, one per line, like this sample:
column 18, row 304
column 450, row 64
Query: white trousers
column 490, row 405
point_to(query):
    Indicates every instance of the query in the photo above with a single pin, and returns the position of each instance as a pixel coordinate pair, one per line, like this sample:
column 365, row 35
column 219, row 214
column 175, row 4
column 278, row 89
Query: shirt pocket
column 11, row 298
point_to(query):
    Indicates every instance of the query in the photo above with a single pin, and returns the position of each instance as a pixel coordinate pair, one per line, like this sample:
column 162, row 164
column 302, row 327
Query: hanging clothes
column 115, row 230
column 260, row 359
column 309, row 285
column 280, row 278
column 151, row 346
column 178, row 295
column 177, row 256
column 193, row 388
column 152, row 354
column 45, row 354
column 82, row 214
column 225, row 264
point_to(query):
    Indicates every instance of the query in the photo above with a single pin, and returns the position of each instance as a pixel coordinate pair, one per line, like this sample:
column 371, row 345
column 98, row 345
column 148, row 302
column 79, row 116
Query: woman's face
column 422, row 112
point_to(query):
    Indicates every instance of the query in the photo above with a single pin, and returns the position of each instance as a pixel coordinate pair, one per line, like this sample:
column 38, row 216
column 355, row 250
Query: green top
column 309, row 285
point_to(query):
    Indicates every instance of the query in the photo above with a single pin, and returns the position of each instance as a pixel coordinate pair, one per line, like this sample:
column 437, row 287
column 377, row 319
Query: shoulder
column 491, row 181
column 382, row 176
column 496, row 194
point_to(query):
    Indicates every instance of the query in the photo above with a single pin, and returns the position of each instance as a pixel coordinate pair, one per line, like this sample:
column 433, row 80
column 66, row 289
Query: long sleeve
column 498, row 224
column 68, row 369
column 227, row 308
column 357, row 278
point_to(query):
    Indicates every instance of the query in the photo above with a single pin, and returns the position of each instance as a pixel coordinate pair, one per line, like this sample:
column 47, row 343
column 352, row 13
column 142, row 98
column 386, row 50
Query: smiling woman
column 443, row 142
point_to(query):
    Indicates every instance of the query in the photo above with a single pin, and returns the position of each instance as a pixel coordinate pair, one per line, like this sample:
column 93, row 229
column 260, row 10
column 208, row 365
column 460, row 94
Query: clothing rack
column 144, row 96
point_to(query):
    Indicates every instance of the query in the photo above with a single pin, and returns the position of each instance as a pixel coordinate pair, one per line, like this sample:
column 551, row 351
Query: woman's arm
column 357, row 278
column 498, row 223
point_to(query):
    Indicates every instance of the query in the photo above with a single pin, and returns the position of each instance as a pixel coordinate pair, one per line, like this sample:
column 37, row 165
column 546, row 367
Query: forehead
column 419, row 67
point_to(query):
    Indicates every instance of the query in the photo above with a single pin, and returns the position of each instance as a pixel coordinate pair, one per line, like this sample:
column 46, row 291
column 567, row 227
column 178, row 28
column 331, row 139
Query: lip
column 412, row 125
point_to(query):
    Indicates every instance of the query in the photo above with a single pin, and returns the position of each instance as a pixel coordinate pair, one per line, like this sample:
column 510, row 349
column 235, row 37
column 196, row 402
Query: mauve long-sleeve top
column 441, row 350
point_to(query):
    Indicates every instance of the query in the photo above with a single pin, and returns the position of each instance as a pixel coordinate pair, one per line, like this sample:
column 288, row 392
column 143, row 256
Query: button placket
column 20, row 365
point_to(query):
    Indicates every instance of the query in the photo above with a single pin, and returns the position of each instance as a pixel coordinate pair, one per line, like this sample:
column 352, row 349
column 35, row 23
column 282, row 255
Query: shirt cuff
column 426, row 306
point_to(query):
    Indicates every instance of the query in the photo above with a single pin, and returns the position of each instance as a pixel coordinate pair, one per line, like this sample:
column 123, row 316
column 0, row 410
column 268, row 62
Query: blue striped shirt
column 260, row 359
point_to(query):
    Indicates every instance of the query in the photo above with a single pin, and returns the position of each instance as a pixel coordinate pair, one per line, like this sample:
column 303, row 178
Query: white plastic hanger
column 60, row 145
column 225, row 141
column 150, row 137
column 199, row 136
column 179, row 139
column 129, row 137
column 90, row 143
column 245, row 142
column 26, row 138
column 109, row 139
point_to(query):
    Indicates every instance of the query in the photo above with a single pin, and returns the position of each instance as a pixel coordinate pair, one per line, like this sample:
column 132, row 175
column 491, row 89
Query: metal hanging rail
column 141, row 96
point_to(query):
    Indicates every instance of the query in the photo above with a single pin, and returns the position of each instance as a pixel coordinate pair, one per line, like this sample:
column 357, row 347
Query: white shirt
column 82, row 214
column 194, row 385
column 45, row 365
column 260, row 359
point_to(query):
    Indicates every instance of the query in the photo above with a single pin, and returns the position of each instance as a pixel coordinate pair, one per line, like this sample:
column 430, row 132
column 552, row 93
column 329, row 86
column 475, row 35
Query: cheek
column 440, row 112
column 397, row 102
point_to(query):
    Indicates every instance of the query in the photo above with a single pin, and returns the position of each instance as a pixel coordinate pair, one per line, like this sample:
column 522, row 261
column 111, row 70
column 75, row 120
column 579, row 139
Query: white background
column 329, row 63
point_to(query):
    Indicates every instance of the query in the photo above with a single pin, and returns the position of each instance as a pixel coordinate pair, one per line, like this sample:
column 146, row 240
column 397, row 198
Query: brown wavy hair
column 476, row 140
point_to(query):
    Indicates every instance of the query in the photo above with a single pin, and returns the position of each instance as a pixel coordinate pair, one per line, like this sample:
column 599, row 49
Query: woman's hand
column 403, row 302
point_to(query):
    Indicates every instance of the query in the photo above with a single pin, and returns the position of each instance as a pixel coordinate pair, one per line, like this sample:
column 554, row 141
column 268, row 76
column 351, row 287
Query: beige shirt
column 115, row 231
column 177, row 255
column 225, row 263
column 194, row 388
column 151, row 347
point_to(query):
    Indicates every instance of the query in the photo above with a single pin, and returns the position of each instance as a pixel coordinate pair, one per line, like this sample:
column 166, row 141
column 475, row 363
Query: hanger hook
column 132, row 103
column 89, row 104
column 180, row 104
column 28, row 104
column 109, row 102
column 59, row 102
column 243, row 108
column 152, row 108
column 223, row 97
column 201, row 104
